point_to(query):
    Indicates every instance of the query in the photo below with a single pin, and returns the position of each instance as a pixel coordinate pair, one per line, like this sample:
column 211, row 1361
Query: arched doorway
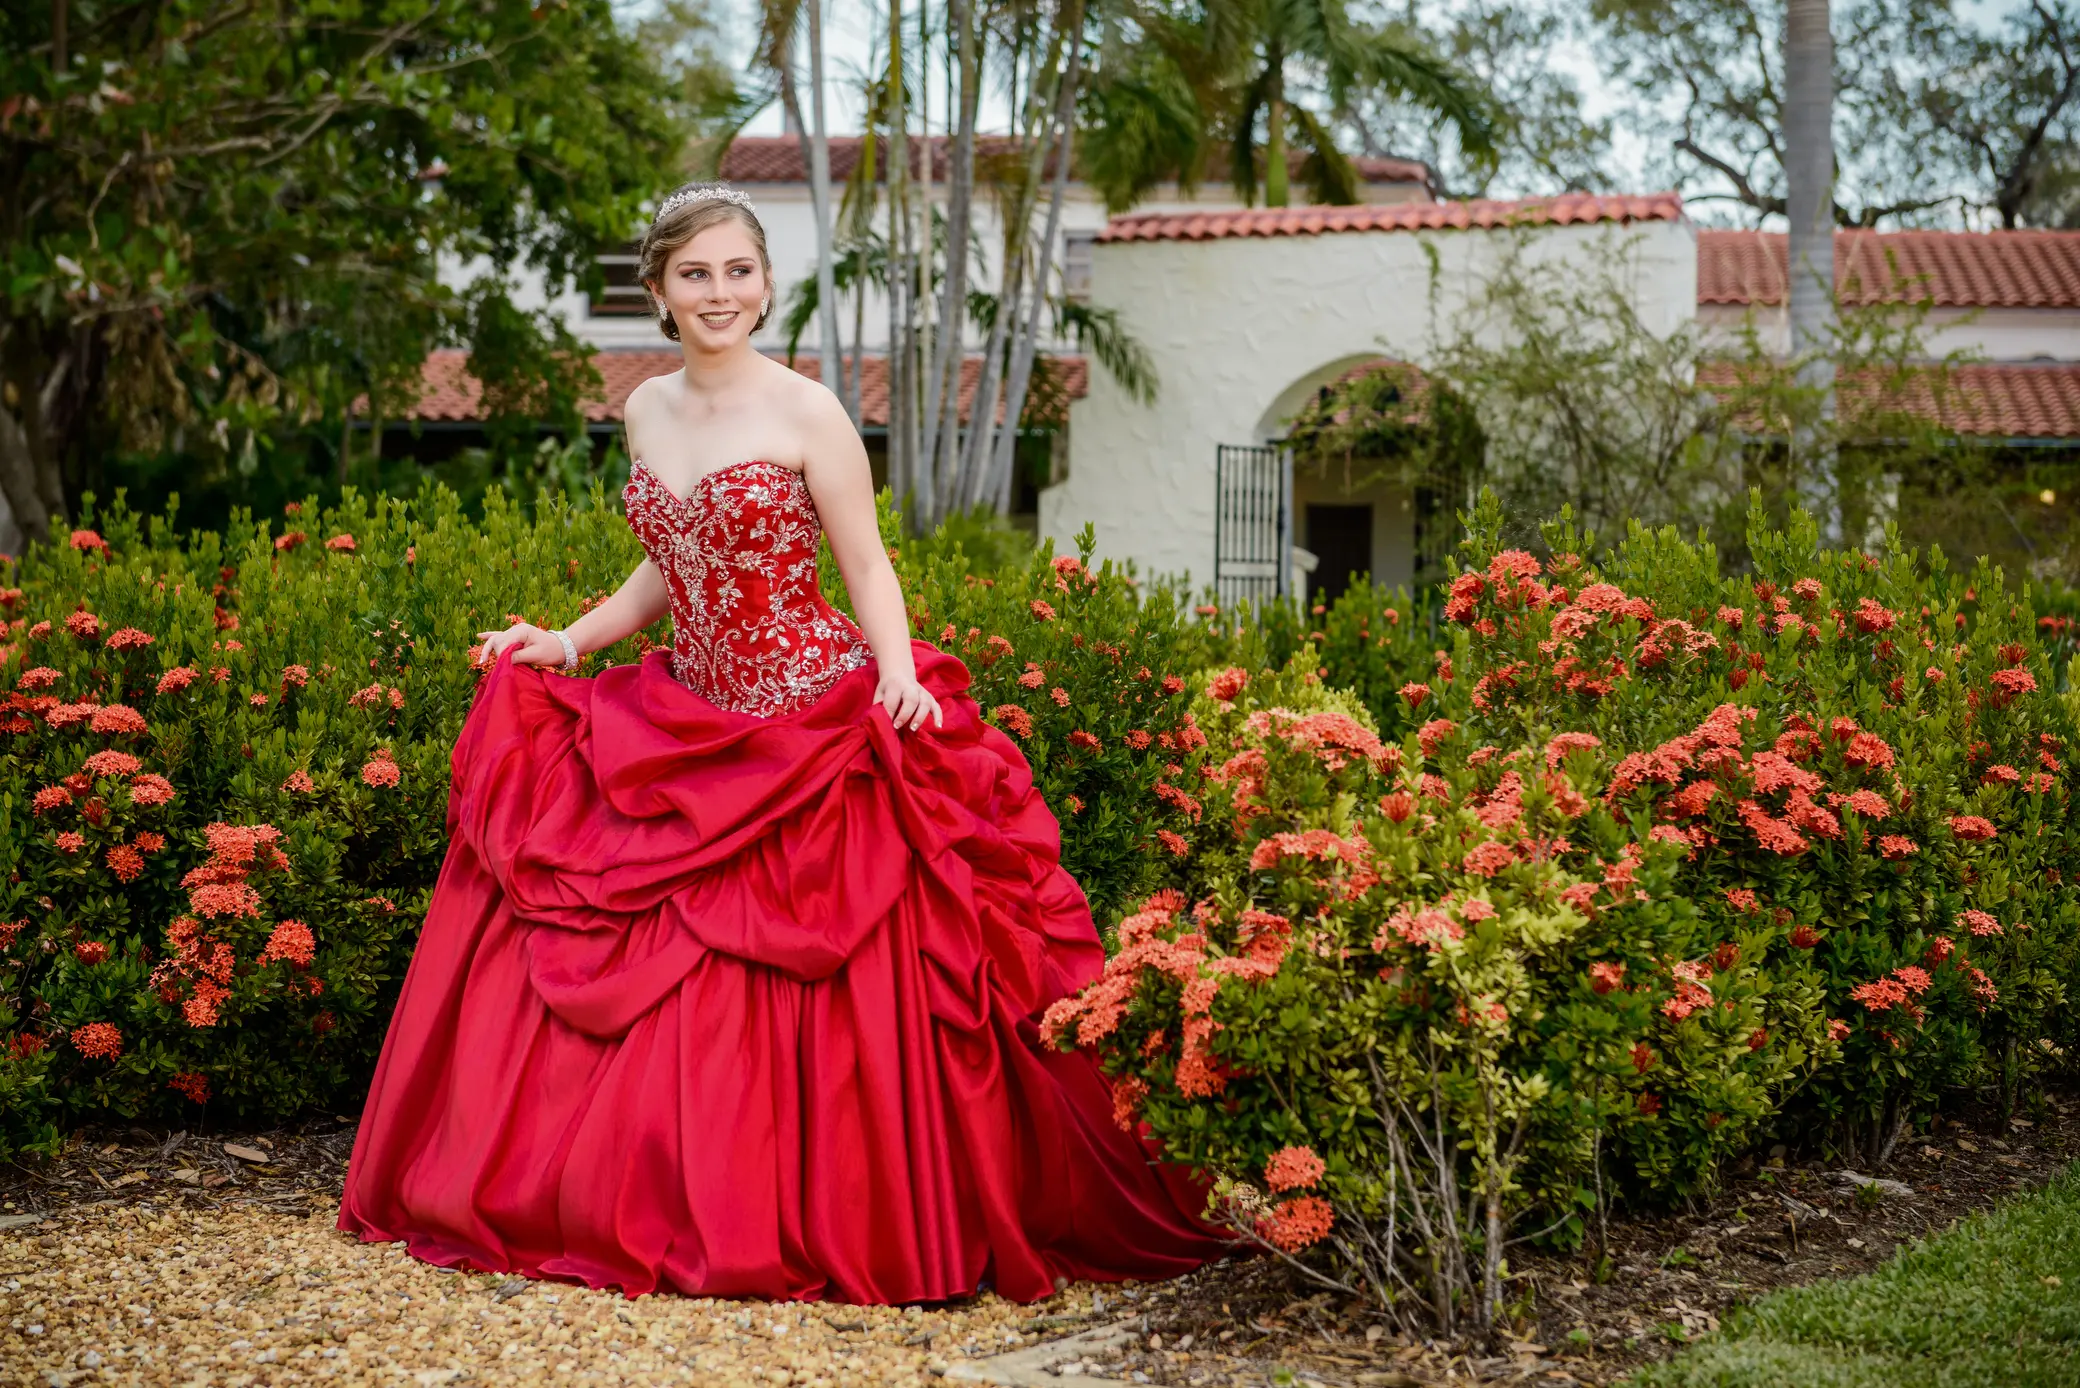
column 1381, row 457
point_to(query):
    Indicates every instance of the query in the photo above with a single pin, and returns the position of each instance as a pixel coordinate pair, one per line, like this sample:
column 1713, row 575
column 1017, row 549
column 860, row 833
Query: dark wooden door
column 1341, row 538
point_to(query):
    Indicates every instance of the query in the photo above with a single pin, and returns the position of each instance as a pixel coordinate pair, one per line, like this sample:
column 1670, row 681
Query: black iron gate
column 1252, row 522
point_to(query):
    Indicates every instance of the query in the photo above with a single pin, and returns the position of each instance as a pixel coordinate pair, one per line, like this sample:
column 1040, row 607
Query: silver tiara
column 705, row 192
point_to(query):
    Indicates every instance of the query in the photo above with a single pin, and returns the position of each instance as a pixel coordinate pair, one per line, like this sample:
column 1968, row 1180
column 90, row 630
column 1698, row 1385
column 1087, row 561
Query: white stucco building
column 1247, row 312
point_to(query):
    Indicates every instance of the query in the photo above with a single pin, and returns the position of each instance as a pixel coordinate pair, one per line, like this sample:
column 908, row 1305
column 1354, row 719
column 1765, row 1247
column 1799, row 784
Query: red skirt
column 747, row 1006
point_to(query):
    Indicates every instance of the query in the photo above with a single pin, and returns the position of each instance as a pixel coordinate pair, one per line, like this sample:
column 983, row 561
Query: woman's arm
column 640, row 600
column 841, row 482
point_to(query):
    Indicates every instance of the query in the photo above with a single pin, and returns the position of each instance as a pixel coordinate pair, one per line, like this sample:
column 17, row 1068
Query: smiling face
column 714, row 285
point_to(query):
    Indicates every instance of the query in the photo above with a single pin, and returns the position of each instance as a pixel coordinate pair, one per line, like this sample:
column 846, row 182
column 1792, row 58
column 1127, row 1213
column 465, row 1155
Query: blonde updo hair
column 680, row 225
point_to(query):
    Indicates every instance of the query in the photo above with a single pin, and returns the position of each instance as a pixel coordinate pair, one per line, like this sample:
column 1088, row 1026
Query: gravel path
column 120, row 1293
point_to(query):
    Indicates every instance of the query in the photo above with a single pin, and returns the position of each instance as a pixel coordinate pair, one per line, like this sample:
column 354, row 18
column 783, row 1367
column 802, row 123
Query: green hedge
column 224, row 765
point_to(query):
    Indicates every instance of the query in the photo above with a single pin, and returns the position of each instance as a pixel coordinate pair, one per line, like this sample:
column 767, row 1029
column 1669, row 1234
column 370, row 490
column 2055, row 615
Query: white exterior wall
column 1996, row 334
column 1243, row 329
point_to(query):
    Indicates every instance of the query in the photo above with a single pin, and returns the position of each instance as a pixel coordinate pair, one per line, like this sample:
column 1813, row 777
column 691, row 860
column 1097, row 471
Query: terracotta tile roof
column 778, row 159
column 1955, row 269
column 1413, row 216
column 2000, row 400
column 453, row 395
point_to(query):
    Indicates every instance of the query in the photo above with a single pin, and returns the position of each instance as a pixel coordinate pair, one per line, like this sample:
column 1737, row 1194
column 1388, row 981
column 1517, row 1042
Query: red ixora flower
column 70, row 841
column 1804, row 937
column 1414, row 693
column 2008, row 684
column 1042, row 609
column 88, row 539
column 1434, row 732
column 299, row 782
column 1293, row 1168
column 125, row 862
column 1488, row 858
column 192, row 1084
column 116, row 718
column 98, row 1040
column 1174, row 842
column 112, row 763
column 1013, row 719
column 1297, row 1223
column 1605, row 976
column 1895, row 846
column 291, row 940
column 84, row 625
column 341, row 542
column 90, row 952
column 1086, row 741
column 1981, row 923
column 1971, row 827
column 380, row 770
column 1227, row 684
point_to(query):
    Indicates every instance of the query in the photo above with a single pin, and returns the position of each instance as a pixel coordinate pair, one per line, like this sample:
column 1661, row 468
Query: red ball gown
column 727, row 986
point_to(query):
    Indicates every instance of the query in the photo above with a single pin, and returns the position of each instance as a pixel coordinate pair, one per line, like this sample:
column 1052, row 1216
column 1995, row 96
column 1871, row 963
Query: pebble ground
column 127, row 1294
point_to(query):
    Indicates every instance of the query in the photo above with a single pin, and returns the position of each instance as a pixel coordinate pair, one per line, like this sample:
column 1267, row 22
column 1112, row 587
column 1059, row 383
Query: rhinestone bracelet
column 570, row 649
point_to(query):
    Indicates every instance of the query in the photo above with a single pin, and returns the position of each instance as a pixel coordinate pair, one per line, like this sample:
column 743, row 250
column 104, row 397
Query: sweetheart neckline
column 701, row 480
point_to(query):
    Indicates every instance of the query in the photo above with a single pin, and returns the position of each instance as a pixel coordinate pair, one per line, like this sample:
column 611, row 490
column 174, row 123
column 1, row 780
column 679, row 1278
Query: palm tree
column 1808, row 136
column 1257, row 43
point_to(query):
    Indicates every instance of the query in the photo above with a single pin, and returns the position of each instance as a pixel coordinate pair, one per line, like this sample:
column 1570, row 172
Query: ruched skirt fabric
column 744, row 1006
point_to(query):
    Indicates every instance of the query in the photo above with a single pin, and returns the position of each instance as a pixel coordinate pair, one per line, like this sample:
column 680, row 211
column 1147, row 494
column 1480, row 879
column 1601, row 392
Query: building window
column 624, row 295
column 1076, row 263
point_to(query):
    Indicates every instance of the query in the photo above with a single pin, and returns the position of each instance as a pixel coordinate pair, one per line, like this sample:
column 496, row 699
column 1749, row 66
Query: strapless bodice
column 751, row 630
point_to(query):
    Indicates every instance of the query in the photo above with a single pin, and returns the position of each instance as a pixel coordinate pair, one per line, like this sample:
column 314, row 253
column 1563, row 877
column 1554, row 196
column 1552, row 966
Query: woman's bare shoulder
column 809, row 404
column 648, row 393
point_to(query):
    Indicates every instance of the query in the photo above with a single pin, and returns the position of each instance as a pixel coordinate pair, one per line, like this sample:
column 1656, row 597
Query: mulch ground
column 149, row 1258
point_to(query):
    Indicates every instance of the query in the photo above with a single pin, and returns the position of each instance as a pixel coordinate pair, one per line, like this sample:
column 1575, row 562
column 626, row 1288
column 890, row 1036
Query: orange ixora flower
column 1293, row 1168
column 112, row 763
column 380, row 770
column 292, row 940
column 1297, row 1223
column 115, row 718
column 98, row 1040
column 150, row 789
column 125, row 862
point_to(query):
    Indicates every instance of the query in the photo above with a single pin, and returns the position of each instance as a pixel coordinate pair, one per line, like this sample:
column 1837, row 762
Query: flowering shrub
column 1413, row 991
column 1864, row 779
column 224, row 773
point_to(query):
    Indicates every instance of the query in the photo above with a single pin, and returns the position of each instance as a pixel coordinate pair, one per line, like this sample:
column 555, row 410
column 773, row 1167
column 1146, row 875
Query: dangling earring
column 765, row 307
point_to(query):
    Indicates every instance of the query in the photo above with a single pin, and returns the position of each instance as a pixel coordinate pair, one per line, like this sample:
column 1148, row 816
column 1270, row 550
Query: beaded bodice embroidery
column 751, row 630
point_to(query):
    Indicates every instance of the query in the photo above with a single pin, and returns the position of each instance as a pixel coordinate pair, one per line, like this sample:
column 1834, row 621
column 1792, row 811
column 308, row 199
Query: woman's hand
column 529, row 643
column 908, row 702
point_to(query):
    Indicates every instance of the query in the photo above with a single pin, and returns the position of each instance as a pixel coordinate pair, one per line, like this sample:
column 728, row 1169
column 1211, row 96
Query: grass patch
column 1994, row 1301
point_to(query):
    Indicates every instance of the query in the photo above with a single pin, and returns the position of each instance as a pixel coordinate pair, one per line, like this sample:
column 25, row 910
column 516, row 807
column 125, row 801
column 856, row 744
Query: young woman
column 731, row 978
